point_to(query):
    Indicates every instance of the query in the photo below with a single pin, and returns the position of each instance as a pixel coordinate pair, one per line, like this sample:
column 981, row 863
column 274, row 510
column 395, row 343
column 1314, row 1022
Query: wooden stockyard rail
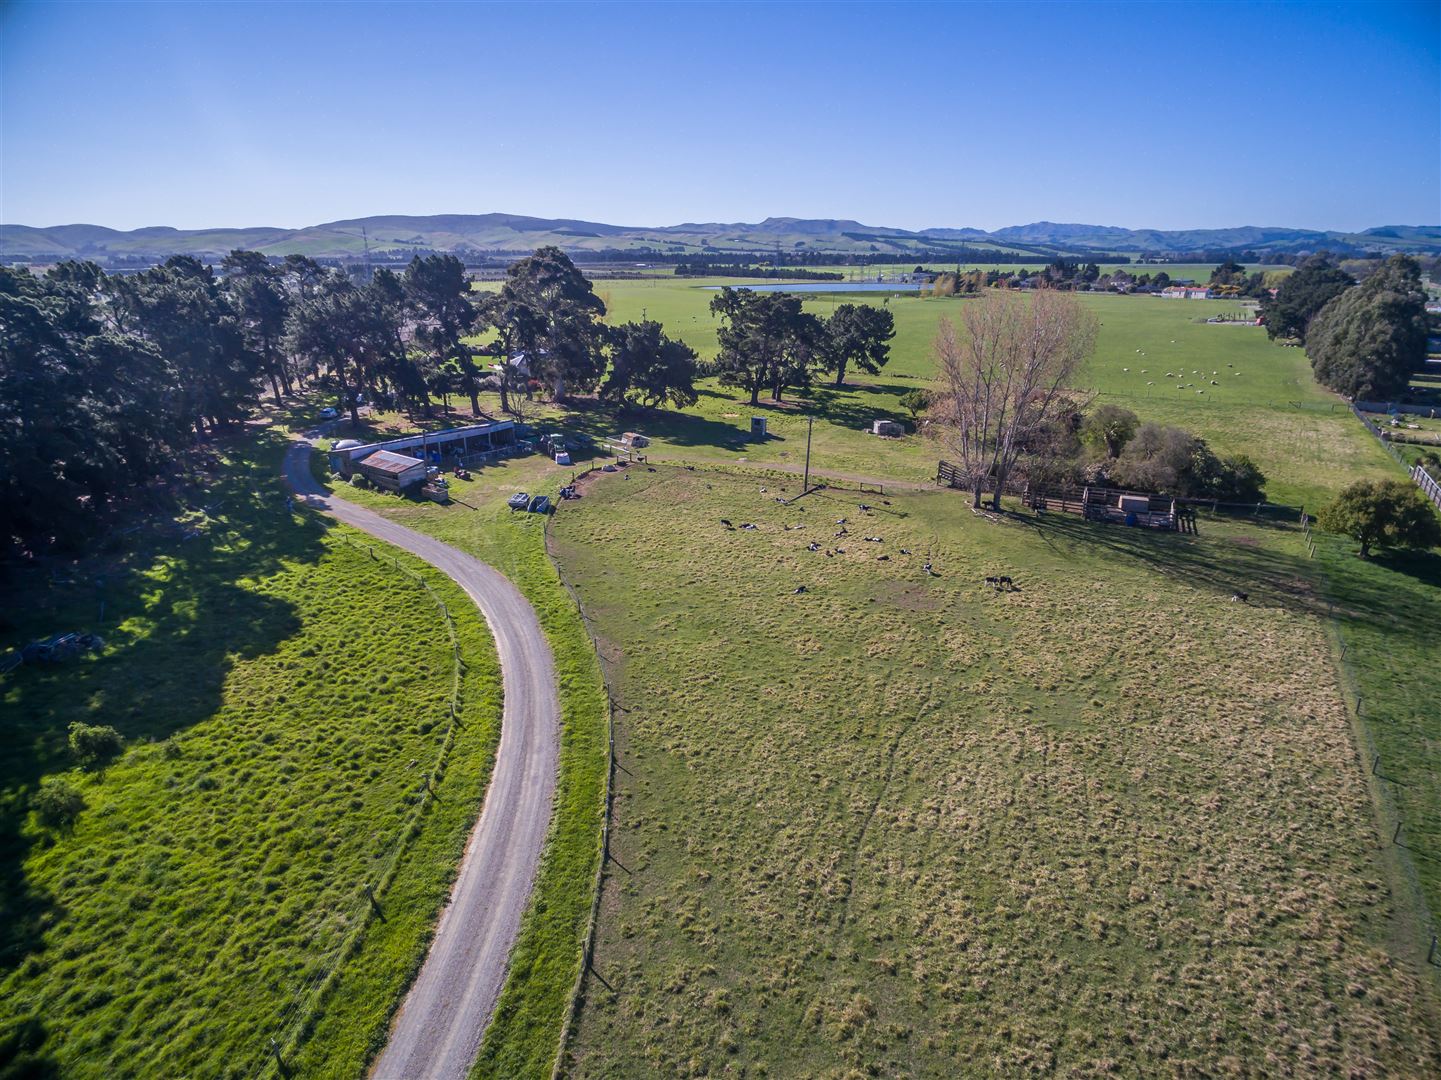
column 1094, row 504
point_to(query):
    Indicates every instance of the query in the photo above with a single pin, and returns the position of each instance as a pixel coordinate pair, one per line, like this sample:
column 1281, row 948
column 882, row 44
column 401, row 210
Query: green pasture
column 904, row 825
column 283, row 697
column 1263, row 403
column 1200, row 272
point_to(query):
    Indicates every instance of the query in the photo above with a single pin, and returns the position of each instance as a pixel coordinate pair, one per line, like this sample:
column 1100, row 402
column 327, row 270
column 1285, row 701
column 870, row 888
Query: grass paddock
column 901, row 825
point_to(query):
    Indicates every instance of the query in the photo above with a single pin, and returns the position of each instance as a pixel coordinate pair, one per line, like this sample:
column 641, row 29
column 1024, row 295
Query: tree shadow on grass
column 175, row 621
column 858, row 404
column 1266, row 576
column 599, row 420
column 1424, row 567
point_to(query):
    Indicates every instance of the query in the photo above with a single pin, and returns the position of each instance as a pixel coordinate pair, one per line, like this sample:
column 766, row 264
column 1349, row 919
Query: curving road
column 437, row 1032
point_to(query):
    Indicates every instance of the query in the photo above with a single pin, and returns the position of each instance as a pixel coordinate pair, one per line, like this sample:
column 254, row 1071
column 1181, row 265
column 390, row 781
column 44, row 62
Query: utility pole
column 806, row 483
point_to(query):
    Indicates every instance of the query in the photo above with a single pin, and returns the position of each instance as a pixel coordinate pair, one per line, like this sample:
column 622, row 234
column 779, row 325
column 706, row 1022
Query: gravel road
column 437, row 1032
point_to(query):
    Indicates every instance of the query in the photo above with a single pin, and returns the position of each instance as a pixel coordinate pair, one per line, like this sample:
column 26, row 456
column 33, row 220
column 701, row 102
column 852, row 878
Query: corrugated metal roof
column 385, row 461
column 432, row 438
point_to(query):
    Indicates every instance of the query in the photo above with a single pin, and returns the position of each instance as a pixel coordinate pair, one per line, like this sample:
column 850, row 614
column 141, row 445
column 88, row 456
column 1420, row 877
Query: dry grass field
column 1112, row 823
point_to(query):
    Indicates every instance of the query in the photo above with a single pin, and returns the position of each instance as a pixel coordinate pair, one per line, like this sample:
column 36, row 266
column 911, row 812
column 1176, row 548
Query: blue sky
column 910, row 115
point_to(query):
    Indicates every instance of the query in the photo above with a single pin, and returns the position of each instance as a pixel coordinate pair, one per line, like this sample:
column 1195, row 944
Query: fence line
column 297, row 1018
column 1306, row 533
column 1380, row 437
column 587, row 950
column 1428, row 485
column 1355, row 701
column 1423, row 479
column 1349, row 681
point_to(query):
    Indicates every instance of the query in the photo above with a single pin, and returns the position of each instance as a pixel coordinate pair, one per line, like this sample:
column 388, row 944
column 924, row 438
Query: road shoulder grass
column 523, row 1035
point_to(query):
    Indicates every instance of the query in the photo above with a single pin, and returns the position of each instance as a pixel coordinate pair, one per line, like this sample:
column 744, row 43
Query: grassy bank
column 904, row 825
column 283, row 698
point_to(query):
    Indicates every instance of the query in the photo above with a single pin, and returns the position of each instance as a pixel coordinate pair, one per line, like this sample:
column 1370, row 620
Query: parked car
column 540, row 504
column 329, row 413
column 519, row 501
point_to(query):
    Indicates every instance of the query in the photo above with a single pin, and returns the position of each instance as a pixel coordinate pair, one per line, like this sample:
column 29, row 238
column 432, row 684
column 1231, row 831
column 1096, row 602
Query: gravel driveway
column 437, row 1032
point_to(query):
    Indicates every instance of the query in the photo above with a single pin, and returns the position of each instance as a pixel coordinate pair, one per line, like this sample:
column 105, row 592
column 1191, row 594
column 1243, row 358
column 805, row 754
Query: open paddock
column 904, row 824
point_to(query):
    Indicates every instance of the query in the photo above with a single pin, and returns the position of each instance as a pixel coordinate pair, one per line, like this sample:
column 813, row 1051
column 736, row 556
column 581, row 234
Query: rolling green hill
column 509, row 233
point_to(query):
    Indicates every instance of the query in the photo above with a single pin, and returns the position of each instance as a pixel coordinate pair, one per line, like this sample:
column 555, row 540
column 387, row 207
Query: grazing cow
column 883, row 558
column 1005, row 583
column 813, row 546
column 726, row 523
column 904, row 551
column 1240, row 597
column 800, row 589
column 993, row 581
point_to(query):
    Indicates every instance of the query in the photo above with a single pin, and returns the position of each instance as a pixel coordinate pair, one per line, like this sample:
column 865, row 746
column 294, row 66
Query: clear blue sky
column 913, row 115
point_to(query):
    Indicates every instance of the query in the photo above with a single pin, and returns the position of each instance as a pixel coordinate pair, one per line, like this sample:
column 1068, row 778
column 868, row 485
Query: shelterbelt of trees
column 108, row 381
column 1364, row 340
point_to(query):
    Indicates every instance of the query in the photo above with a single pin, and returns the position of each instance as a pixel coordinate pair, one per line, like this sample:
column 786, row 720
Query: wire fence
column 299, row 1015
column 587, row 951
column 1366, row 715
column 1306, row 534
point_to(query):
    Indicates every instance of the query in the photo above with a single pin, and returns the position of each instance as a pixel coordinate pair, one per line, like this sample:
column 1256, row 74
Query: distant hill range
column 800, row 239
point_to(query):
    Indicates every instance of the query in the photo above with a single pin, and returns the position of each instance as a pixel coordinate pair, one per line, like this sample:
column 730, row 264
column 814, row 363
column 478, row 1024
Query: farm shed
column 391, row 471
column 634, row 439
column 459, row 444
column 888, row 428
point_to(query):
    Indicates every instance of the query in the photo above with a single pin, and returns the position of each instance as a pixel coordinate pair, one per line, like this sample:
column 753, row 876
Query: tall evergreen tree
column 1368, row 341
column 257, row 292
column 548, row 309
column 766, row 341
column 438, row 293
column 1302, row 295
column 648, row 367
column 859, row 334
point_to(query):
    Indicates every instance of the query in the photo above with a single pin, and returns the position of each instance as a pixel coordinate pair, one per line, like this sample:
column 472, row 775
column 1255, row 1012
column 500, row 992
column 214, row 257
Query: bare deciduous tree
column 1007, row 379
